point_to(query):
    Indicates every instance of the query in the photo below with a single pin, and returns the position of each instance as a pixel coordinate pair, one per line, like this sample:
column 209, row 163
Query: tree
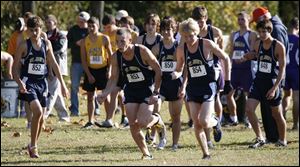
column 28, row 6
column 97, row 9
column 287, row 10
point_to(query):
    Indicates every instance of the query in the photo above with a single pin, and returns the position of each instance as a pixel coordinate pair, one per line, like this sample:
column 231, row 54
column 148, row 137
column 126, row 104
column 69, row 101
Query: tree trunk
column 27, row 6
column 287, row 10
column 97, row 10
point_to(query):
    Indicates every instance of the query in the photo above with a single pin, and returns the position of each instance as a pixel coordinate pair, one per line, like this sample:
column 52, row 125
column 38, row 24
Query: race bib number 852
column 36, row 69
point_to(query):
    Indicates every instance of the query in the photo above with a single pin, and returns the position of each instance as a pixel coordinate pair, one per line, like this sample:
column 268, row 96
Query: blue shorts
column 292, row 79
column 169, row 89
column 36, row 90
column 241, row 78
column 201, row 93
column 259, row 89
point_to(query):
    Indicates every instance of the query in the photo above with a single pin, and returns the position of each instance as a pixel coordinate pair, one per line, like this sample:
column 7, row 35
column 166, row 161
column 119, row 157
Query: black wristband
column 155, row 92
column 227, row 82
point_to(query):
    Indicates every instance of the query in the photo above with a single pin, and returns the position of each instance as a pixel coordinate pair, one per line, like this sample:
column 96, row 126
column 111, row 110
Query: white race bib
column 135, row 77
column 197, row 71
column 238, row 54
column 95, row 59
column 36, row 69
column 168, row 66
column 265, row 67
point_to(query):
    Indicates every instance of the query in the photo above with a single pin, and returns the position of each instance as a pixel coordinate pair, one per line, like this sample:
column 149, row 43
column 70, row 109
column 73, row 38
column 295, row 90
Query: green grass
column 71, row 145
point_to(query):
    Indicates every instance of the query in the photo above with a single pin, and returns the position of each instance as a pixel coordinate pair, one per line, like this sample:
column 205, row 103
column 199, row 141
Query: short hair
column 152, row 17
column 266, row 25
column 168, row 22
column 199, row 12
column 127, row 20
column 124, row 31
column 244, row 14
column 27, row 15
column 93, row 20
column 51, row 17
column 34, row 21
column 190, row 26
column 294, row 23
column 108, row 19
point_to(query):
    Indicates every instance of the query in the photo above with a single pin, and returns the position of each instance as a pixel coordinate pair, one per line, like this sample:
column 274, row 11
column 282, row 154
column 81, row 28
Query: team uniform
column 150, row 46
column 167, row 59
column 266, row 75
column 34, row 72
column 292, row 69
column 218, row 69
column 97, row 64
column 138, row 78
column 241, row 75
column 201, row 85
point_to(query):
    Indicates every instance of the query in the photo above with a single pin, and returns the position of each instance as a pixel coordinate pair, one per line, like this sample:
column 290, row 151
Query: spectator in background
column 12, row 43
column 59, row 46
column 119, row 15
column 291, row 86
column 6, row 65
column 241, row 42
column 124, row 13
column 74, row 36
column 95, row 51
column 128, row 22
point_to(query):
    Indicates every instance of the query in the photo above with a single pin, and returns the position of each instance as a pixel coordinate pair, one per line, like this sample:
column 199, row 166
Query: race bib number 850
column 168, row 66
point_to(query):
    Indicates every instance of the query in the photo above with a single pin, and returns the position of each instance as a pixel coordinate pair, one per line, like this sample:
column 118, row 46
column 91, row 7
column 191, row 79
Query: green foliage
column 222, row 13
column 69, row 145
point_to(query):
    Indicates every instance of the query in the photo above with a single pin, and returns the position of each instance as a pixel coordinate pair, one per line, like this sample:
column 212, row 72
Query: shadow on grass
column 90, row 150
column 42, row 162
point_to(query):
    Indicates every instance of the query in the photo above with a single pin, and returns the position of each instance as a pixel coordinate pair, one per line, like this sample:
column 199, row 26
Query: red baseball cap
column 258, row 12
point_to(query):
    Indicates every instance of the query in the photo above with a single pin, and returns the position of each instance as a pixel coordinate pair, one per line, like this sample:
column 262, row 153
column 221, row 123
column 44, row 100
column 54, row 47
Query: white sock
column 233, row 118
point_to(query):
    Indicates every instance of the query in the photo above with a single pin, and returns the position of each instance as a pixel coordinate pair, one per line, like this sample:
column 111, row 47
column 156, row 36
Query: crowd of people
column 178, row 62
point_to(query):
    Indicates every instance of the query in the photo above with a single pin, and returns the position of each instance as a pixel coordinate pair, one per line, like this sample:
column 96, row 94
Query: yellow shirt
column 113, row 40
column 95, row 52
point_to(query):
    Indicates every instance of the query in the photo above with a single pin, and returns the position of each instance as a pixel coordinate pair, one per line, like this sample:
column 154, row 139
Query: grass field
column 70, row 145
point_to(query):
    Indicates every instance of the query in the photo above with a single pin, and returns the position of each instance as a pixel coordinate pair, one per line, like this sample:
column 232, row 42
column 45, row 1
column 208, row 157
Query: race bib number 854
column 198, row 71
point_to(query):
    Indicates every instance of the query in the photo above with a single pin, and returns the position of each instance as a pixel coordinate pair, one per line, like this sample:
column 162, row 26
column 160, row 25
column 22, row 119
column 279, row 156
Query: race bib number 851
column 135, row 77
